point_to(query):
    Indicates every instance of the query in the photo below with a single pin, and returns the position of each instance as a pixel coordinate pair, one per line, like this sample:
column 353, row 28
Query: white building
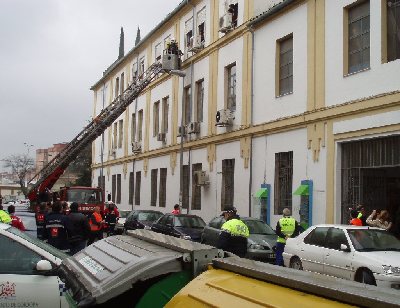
column 308, row 93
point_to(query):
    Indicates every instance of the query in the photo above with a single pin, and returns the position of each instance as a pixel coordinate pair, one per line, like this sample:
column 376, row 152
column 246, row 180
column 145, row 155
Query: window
column 233, row 9
column 187, row 105
column 285, row 65
column 358, row 37
column 114, row 145
column 196, row 189
column 188, row 33
column 199, row 100
column 157, row 52
column 335, row 238
column 185, row 188
column 140, row 126
column 134, row 71
column 154, row 174
column 141, row 67
column 393, row 29
column 17, row 259
column 122, row 83
column 283, row 181
column 121, row 133
column 317, row 237
column 163, row 187
column 131, row 187
column 201, row 19
column 113, row 187
column 231, row 87
column 116, row 86
column 118, row 188
column 133, row 128
column 137, row 187
column 165, row 111
column 156, row 118
column 228, row 183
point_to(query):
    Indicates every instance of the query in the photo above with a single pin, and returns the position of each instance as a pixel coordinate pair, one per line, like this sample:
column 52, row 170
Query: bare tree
column 21, row 165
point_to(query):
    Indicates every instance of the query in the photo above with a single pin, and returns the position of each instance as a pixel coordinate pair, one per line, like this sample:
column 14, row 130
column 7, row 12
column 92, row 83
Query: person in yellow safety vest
column 286, row 227
column 234, row 233
column 362, row 215
column 4, row 216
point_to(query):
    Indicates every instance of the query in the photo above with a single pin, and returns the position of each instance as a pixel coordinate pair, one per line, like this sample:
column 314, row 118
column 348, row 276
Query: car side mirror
column 344, row 247
column 43, row 266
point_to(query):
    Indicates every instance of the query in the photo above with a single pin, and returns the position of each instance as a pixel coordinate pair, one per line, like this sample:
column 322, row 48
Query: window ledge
column 285, row 94
column 360, row 71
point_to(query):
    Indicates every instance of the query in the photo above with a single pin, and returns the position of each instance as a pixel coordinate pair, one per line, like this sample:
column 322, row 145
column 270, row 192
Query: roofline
column 271, row 12
column 142, row 41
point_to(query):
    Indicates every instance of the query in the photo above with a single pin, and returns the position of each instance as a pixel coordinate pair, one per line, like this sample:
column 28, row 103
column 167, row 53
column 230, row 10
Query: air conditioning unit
column 193, row 128
column 224, row 117
column 136, row 147
column 225, row 23
column 181, row 131
column 161, row 137
column 196, row 45
column 201, row 178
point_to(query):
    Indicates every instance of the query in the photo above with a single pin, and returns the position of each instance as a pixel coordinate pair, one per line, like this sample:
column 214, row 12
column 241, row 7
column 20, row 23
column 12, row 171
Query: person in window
column 355, row 221
column 380, row 220
column 234, row 233
column 16, row 222
column 56, row 228
column 111, row 216
column 176, row 210
column 78, row 229
column 286, row 227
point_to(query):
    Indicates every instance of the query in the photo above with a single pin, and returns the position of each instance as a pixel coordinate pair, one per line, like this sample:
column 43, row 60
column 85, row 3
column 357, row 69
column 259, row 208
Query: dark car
column 185, row 226
column 260, row 244
column 141, row 219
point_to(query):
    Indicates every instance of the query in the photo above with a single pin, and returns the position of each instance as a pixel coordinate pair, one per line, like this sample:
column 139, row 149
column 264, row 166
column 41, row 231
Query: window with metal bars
column 121, row 133
column 140, row 125
column 116, row 86
column 393, row 29
column 185, row 188
column 283, row 181
column 138, row 184
column 199, row 100
column 133, row 128
column 165, row 111
column 228, row 183
column 286, row 65
column 153, row 198
column 118, row 188
column 163, row 187
column 156, row 118
column 122, row 83
column 113, row 187
column 196, row 189
column 231, row 87
column 131, row 187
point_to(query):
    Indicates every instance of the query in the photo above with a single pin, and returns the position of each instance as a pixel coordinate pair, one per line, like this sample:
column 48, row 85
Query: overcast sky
column 51, row 53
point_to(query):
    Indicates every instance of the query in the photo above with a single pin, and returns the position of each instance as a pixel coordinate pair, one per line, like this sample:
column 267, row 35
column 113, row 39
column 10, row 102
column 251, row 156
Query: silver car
column 260, row 244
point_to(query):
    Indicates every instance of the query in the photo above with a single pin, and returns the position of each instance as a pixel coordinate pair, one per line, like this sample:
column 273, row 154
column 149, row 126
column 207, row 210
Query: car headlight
column 391, row 270
column 256, row 247
column 186, row 237
column 147, row 227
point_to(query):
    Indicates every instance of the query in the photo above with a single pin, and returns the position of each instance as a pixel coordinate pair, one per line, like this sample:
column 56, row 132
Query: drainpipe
column 251, row 117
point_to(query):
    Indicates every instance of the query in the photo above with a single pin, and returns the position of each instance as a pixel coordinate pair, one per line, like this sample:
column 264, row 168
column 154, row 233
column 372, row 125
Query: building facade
column 283, row 104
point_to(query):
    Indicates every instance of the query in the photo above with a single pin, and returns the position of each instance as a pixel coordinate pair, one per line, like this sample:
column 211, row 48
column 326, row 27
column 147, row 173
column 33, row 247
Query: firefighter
column 40, row 221
column 234, row 233
column 16, row 222
column 96, row 226
column 4, row 217
column 56, row 228
column 111, row 216
column 78, row 229
column 286, row 227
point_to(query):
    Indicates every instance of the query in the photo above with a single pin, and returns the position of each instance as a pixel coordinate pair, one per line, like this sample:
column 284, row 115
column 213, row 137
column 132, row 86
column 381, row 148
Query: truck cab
column 86, row 197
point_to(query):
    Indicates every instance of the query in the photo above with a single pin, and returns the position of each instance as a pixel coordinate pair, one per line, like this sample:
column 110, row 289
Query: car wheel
column 295, row 263
column 365, row 276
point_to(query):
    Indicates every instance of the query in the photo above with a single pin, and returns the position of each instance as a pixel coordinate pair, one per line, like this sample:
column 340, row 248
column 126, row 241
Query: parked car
column 363, row 254
column 28, row 271
column 141, row 219
column 185, row 226
column 261, row 242
column 119, row 226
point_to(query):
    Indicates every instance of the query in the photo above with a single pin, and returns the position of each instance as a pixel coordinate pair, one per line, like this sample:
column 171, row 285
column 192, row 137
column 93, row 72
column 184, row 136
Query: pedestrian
column 234, row 233
column 379, row 220
column 78, row 229
column 1, row 199
column 40, row 221
column 16, row 222
column 355, row 221
column 65, row 208
column 4, row 216
column 111, row 216
column 96, row 226
column 286, row 227
column 362, row 214
column 56, row 228
column 176, row 210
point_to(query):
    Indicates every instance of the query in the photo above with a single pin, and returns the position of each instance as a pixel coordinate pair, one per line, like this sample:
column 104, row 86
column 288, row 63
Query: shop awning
column 302, row 190
column 262, row 193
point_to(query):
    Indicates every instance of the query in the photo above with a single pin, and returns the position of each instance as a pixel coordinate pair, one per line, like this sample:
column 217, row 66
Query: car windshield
column 189, row 222
column 124, row 214
column 84, row 195
column 148, row 216
column 258, row 227
column 54, row 251
column 373, row 240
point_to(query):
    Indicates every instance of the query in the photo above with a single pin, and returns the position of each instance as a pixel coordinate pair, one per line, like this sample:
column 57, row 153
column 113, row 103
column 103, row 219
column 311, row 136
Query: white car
column 119, row 226
column 363, row 254
column 28, row 268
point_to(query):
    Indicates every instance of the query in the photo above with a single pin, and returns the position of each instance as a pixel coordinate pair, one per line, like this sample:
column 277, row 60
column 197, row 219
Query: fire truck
column 89, row 197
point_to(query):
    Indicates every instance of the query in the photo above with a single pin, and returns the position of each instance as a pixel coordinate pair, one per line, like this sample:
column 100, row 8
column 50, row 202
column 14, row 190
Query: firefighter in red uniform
column 16, row 222
column 111, row 216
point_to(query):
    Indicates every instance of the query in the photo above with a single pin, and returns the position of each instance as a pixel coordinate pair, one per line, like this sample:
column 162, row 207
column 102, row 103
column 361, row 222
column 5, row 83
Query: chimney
column 121, row 44
column 137, row 36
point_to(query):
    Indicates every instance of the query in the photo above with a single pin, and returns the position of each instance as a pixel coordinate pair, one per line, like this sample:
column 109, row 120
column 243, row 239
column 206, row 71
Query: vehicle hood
column 192, row 232
column 378, row 258
column 263, row 239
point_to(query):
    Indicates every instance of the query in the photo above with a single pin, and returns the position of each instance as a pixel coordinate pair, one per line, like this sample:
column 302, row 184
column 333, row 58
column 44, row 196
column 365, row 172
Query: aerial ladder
column 52, row 171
